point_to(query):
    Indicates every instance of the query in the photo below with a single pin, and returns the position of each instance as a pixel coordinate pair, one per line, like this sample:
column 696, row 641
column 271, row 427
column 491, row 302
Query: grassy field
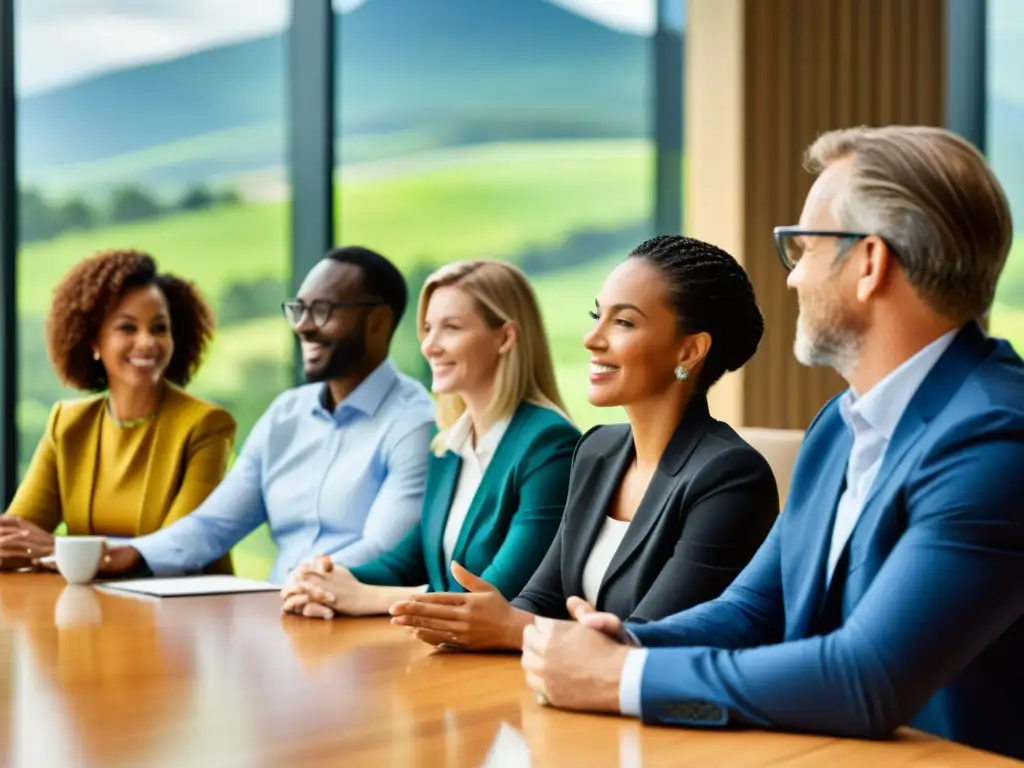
column 210, row 148
column 267, row 338
column 500, row 200
column 488, row 202
column 565, row 298
column 1008, row 323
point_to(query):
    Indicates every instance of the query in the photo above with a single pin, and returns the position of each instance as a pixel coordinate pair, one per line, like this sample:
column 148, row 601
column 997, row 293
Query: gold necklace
column 130, row 423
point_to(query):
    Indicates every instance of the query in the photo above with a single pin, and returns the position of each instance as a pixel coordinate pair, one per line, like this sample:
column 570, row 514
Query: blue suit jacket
column 923, row 623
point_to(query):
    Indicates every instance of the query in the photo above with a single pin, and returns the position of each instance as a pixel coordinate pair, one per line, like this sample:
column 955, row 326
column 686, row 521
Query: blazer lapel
column 604, row 476
column 500, row 466
column 817, row 514
column 652, row 506
column 435, row 513
column 79, row 501
column 938, row 387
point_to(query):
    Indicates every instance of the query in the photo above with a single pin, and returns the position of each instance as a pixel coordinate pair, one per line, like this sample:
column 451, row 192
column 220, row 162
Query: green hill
column 527, row 203
column 440, row 73
column 479, row 202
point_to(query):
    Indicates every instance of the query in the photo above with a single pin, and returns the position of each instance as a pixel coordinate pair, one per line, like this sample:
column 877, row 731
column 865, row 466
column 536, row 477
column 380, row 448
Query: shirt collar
column 882, row 406
column 460, row 438
column 365, row 398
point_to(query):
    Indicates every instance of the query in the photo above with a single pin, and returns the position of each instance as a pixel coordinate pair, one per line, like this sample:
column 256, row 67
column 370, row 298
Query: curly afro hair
column 91, row 290
column 710, row 292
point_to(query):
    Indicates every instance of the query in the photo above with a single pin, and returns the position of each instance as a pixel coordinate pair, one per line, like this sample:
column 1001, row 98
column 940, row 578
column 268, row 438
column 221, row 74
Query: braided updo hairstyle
column 710, row 292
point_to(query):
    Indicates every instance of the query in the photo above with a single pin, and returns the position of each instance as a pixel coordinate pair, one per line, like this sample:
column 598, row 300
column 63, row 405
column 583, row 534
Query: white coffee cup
column 78, row 557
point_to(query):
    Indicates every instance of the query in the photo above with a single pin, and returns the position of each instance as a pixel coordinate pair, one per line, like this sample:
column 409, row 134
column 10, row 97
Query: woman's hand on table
column 320, row 590
column 479, row 619
column 118, row 561
column 22, row 543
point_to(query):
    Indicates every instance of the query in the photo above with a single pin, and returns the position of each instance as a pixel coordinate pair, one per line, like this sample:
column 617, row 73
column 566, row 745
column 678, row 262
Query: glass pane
column 1005, row 142
column 508, row 129
column 157, row 126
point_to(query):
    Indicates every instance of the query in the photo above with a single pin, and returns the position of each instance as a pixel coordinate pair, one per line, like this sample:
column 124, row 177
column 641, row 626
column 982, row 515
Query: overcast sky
column 59, row 41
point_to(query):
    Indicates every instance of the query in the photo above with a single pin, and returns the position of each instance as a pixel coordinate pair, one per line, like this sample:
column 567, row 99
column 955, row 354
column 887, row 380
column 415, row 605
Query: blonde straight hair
column 525, row 373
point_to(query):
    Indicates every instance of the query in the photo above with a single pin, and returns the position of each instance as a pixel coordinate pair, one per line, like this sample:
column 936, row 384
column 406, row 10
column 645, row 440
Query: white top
column 600, row 557
column 474, row 463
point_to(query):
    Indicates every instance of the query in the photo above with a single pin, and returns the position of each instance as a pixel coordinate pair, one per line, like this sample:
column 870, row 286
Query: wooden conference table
column 88, row 678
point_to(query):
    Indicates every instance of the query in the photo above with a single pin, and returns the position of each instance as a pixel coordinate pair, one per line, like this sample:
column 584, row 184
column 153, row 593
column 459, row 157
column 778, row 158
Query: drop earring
column 96, row 354
column 681, row 373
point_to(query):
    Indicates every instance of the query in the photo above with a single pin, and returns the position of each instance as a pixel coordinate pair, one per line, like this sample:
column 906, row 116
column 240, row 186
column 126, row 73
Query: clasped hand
column 22, row 543
column 319, row 590
column 576, row 664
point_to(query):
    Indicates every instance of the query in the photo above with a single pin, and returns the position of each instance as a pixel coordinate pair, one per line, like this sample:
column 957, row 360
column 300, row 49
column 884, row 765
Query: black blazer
column 709, row 506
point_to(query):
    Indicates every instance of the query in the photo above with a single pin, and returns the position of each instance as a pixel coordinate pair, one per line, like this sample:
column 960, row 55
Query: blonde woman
column 499, row 471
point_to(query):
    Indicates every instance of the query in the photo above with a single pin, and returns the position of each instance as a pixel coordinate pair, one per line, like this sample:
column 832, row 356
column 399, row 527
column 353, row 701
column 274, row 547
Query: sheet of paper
column 189, row 586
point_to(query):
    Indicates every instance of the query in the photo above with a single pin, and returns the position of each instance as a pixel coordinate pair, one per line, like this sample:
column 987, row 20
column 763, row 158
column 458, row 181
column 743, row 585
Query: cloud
column 628, row 15
column 60, row 41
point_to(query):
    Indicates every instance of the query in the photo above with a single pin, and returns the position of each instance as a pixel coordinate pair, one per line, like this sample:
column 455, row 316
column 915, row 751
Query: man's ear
column 380, row 322
column 873, row 267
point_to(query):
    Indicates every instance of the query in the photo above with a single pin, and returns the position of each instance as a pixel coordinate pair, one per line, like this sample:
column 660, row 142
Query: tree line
column 41, row 217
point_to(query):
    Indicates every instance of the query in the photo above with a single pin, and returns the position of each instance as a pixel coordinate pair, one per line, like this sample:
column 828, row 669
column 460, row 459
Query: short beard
column 347, row 356
column 836, row 345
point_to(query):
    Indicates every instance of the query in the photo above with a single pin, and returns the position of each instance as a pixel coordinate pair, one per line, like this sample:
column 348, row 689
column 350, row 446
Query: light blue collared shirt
column 347, row 483
column 872, row 419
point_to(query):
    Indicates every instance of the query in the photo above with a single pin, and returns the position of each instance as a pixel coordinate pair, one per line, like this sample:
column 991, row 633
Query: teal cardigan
column 511, row 522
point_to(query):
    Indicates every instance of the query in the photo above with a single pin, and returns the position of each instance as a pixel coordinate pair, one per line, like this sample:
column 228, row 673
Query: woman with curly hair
column 142, row 453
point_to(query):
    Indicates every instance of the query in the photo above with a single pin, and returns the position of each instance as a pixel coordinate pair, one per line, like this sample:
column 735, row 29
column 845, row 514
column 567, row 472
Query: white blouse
column 600, row 557
column 474, row 463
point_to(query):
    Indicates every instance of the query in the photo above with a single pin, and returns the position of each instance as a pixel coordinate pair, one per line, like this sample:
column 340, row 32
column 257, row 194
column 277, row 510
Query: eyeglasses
column 790, row 246
column 319, row 310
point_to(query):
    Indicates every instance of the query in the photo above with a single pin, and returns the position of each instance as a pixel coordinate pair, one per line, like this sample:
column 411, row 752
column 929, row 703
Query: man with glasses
column 891, row 590
column 335, row 467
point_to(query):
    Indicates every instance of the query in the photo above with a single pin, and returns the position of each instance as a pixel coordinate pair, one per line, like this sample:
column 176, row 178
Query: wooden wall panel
column 808, row 66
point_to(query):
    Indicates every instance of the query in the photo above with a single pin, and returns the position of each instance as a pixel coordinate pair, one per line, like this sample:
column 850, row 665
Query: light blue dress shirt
column 347, row 483
column 872, row 419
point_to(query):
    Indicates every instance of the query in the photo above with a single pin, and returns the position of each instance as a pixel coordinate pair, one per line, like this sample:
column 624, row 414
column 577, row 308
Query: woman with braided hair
column 141, row 452
column 664, row 511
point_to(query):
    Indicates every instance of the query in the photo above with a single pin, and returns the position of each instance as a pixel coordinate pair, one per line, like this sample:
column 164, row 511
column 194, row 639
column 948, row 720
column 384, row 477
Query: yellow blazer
column 187, row 455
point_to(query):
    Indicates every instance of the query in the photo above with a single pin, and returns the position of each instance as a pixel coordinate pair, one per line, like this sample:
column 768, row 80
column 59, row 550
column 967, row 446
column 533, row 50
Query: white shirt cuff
column 631, row 681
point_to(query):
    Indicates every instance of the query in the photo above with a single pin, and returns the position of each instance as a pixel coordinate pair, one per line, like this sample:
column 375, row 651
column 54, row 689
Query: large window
column 1005, row 142
column 158, row 126
column 508, row 129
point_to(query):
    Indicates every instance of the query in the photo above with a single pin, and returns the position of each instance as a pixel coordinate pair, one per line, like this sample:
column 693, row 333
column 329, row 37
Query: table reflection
column 77, row 606
column 94, row 678
column 75, row 677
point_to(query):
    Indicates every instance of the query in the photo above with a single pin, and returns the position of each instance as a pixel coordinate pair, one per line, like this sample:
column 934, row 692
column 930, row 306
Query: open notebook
column 189, row 586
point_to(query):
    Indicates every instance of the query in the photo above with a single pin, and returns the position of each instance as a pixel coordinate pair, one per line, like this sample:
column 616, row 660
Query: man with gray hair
column 891, row 590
